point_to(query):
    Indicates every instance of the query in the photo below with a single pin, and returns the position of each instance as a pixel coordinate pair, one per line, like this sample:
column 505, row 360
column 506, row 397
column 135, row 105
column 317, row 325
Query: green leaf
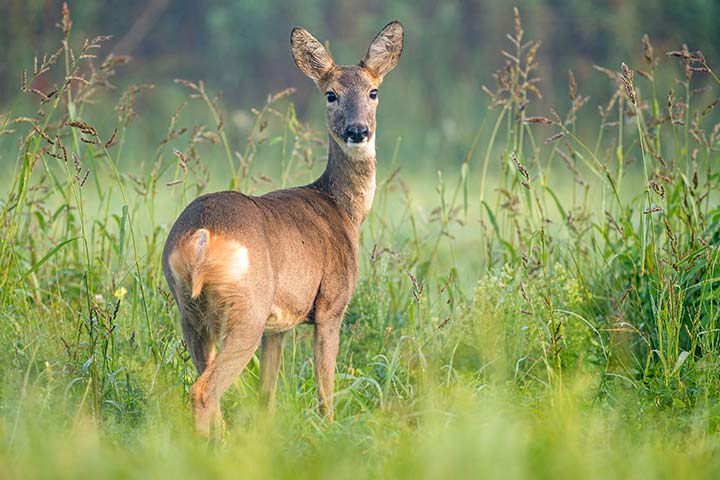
column 464, row 176
column 492, row 218
column 123, row 223
column 52, row 252
column 680, row 360
column 557, row 203
column 72, row 111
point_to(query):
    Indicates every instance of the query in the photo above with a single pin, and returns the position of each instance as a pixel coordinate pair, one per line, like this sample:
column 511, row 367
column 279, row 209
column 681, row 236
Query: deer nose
column 357, row 132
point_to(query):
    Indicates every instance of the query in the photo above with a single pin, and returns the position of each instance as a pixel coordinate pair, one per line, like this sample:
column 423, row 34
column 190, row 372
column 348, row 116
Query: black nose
column 356, row 133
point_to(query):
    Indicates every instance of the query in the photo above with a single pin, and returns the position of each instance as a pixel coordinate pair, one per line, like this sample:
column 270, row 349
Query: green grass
column 549, row 309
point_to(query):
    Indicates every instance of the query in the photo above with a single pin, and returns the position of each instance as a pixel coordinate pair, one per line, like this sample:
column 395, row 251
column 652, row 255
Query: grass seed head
column 648, row 50
column 627, row 78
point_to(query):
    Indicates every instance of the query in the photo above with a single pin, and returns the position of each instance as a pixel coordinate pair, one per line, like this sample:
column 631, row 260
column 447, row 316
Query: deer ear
column 385, row 50
column 311, row 57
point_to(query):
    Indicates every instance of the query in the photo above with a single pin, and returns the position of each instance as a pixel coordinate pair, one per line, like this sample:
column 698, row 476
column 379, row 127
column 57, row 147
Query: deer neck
column 350, row 179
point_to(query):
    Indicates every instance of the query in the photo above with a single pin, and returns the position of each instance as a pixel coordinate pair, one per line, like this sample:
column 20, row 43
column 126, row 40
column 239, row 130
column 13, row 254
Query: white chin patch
column 356, row 145
column 364, row 148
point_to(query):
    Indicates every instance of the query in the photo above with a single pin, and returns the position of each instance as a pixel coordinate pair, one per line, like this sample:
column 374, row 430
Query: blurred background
column 452, row 48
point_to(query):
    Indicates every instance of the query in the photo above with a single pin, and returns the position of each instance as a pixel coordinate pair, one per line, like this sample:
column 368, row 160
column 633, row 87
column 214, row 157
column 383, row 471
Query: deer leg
column 241, row 339
column 270, row 357
column 327, row 339
column 198, row 338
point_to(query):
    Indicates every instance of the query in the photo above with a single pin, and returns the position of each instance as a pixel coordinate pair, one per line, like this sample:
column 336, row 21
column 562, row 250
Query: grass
column 550, row 310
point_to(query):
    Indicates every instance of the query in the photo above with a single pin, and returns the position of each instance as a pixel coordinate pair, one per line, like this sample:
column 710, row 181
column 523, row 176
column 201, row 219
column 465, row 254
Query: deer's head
column 351, row 91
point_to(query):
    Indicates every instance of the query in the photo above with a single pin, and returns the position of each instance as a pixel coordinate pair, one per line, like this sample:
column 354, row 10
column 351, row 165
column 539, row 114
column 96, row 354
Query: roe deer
column 245, row 270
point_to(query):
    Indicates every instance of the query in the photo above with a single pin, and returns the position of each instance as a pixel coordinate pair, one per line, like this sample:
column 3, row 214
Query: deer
column 245, row 270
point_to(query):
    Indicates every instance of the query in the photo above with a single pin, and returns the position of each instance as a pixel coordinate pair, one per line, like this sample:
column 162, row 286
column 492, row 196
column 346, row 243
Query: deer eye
column 374, row 93
column 331, row 97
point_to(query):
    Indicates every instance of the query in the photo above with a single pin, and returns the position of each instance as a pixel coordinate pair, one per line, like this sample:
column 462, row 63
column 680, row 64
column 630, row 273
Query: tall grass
column 586, row 345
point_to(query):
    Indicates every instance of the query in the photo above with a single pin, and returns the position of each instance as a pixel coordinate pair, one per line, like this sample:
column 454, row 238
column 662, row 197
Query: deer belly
column 282, row 319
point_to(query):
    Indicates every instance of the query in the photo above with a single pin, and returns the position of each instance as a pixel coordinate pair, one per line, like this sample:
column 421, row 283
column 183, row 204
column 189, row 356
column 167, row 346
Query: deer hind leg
column 198, row 332
column 242, row 336
column 270, row 357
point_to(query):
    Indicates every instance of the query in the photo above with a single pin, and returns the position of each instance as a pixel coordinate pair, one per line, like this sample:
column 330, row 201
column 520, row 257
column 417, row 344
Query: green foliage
column 550, row 311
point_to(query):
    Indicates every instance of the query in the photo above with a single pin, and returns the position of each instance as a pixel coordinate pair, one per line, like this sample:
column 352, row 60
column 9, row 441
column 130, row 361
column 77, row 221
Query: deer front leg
column 327, row 339
column 270, row 357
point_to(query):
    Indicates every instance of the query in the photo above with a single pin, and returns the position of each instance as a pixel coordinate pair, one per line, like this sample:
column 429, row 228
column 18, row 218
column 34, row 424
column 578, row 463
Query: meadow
column 545, row 306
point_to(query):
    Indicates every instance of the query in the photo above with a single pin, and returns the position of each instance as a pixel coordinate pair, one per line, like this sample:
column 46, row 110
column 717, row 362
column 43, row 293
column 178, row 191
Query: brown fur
column 245, row 270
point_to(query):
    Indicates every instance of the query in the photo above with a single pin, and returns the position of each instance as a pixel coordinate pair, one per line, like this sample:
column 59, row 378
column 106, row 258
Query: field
column 545, row 306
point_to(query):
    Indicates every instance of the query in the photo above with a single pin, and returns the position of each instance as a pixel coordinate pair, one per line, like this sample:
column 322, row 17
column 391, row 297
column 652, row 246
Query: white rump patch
column 238, row 262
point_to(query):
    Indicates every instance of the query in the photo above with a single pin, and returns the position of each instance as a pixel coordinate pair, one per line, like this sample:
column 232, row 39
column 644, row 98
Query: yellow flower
column 120, row 293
